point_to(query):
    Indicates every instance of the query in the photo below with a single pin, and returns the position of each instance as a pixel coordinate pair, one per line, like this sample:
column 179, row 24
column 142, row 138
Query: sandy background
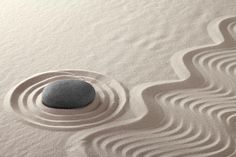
column 131, row 41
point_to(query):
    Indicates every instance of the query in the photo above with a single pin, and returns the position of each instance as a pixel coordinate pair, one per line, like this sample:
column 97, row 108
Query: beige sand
column 191, row 113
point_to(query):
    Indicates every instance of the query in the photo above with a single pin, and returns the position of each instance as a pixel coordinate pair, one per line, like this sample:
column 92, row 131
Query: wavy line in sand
column 25, row 100
column 193, row 116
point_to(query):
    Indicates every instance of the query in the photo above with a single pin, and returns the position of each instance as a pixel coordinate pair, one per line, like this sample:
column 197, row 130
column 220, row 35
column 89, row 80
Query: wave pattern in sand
column 25, row 101
column 193, row 116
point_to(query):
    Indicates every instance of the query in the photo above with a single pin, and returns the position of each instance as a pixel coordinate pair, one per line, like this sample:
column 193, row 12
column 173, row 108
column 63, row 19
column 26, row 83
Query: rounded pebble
column 68, row 94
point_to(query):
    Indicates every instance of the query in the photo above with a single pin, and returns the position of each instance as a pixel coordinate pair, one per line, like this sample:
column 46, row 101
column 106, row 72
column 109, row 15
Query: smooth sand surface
column 146, row 104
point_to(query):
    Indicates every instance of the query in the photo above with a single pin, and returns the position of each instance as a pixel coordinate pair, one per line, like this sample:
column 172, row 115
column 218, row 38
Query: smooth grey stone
column 68, row 94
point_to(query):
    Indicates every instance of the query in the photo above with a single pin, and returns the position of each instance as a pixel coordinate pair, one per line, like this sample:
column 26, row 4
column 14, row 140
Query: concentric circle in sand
column 25, row 100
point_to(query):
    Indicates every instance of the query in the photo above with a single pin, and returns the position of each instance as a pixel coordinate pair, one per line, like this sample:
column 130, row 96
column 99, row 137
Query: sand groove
column 192, row 116
column 25, row 101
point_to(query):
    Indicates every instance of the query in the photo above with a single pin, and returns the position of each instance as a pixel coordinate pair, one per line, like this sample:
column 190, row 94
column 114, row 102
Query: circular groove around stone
column 25, row 100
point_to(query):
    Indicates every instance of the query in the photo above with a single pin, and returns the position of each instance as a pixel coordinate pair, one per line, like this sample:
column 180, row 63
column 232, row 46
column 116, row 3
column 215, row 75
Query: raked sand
column 146, row 105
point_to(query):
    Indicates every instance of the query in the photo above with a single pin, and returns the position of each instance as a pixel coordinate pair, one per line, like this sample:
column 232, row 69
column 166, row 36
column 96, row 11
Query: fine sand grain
column 146, row 105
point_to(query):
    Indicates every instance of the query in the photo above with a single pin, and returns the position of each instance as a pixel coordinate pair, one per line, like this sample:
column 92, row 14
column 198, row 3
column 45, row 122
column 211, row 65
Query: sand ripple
column 192, row 116
column 25, row 101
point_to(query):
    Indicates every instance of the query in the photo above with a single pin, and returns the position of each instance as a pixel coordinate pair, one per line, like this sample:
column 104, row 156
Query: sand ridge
column 192, row 116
